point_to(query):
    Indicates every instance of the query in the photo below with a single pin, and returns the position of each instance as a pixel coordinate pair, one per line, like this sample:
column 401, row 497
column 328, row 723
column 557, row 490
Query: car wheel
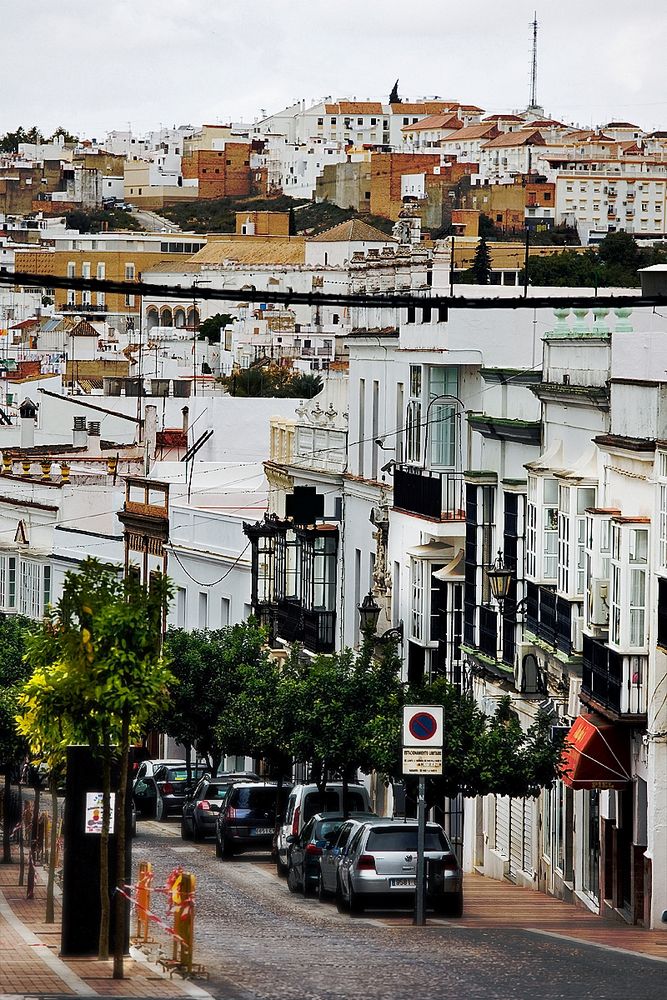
column 321, row 892
column 133, row 826
column 306, row 886
column 292, row 882
column 186, row 834
column 341, row 902
column 356, row 905
column 218, row 847
column 451, row 905
column 197, row 835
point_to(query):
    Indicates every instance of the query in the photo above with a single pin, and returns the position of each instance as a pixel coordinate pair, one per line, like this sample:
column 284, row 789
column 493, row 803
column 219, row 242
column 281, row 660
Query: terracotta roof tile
column 425, row 108
column 353, row 108
column 473, row 132
column 352, row 231
column 434, row 121
column 524, row 137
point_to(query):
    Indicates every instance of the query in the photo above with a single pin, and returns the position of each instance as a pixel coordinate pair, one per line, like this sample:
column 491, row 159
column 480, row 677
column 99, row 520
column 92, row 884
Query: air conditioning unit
column 577, row 633
column 598, row 597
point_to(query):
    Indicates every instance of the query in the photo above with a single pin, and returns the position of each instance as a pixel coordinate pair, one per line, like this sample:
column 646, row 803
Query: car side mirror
column 292, row 839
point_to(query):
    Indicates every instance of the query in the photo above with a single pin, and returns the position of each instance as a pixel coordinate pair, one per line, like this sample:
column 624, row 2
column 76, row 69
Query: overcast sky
column 94, row 65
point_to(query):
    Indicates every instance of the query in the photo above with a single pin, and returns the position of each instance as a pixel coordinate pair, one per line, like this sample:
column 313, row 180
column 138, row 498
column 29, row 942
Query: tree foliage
column 272, row 380
column 98, row 677
column 9, row 142
column 211, row 329
column 207, row 669
column 613, row 264
column 480, row 271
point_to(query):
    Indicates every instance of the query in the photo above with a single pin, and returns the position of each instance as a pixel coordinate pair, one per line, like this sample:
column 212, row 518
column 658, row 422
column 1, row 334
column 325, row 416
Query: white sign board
column 94, row 812
column 422, row 725
column 422, row 760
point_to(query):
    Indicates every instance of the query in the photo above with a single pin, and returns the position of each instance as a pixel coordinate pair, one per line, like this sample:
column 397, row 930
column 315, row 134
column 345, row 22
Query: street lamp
column 369, row 613
column 500, row 579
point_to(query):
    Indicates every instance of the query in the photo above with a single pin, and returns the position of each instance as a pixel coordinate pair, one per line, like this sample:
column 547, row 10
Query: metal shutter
column 521, row 837
column 528, row 808
column 502, row 825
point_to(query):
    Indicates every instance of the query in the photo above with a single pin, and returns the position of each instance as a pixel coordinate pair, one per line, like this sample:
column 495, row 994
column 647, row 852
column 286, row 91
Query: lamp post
column 500, row 579
column 369, row 613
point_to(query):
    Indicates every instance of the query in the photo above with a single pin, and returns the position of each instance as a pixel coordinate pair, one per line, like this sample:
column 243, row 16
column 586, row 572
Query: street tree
column 211, row 329
column 348, row 716
column 98, row 668
column 13, row 672
column 207, row 675
column 480, row 271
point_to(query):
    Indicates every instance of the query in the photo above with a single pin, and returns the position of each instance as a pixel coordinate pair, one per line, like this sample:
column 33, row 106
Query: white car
column 305, row 801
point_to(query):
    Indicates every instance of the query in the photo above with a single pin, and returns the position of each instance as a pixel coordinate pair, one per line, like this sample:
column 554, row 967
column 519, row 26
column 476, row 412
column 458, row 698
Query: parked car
column 144, row 789
column 248, row 817
column 161, row 789
column 331, row 854
column 305, row 850
column 305, row 801
column 380, row 864
column 201, row 808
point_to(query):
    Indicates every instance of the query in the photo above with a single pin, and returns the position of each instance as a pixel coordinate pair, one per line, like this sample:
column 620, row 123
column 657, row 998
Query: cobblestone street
column 259, row 940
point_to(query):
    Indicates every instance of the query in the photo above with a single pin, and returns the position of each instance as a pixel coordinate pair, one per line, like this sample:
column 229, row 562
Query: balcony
column 315, row 629
column 549, row 617
column 612, row 683
column 436, row 495
column 488, row 631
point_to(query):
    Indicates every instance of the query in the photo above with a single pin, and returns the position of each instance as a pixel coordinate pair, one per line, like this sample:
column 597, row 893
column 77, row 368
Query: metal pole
column 525, row 264
column 420, row 913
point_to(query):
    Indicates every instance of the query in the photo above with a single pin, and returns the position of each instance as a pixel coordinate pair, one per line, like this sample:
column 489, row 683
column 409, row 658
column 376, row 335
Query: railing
column 488, row 631
column 549, row 617
column 438, row 495
column 613, row 680
column 315, row 629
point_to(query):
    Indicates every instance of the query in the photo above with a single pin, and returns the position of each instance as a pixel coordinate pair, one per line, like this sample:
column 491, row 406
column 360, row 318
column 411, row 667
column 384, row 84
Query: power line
column 397, row 300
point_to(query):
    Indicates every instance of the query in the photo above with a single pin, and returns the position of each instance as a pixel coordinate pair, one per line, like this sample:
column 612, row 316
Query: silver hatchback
column 380, row 864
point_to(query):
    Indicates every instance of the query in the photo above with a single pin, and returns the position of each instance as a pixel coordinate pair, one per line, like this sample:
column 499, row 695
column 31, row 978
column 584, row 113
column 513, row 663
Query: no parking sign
column 422, row 739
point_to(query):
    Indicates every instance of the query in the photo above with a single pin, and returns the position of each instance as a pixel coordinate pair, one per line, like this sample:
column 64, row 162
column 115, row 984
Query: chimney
column 186, row 419
column 80, row 433
column 28, row 415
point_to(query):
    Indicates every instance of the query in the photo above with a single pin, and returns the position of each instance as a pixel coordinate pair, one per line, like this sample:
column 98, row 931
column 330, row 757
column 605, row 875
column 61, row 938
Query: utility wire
column 398, row 300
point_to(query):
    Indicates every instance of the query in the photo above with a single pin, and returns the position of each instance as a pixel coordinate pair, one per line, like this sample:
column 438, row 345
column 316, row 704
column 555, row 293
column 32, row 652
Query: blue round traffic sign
column 423, row 726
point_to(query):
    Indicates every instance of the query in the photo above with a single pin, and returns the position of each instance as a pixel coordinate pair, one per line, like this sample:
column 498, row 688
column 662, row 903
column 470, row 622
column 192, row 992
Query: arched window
column 152, row 318
column 179, row 317
column 165, row 316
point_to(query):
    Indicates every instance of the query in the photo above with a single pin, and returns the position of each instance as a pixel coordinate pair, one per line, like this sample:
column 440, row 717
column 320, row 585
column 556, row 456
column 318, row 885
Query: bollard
column 183, row 895
column 144, row 899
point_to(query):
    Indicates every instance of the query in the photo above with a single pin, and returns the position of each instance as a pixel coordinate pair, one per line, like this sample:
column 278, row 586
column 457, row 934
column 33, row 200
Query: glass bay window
column 628, row 586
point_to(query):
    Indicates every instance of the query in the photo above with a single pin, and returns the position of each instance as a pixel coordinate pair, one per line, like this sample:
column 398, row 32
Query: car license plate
column 402, row 883
column 262, row 831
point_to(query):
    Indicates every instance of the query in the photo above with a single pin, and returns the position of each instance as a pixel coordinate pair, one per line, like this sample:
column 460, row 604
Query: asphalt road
column 151, row 222
column 258, row 940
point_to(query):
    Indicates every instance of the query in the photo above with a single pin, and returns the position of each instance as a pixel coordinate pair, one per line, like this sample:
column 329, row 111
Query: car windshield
column 331, row 801
column 404, row 838
column 327, row 829
column 258, row 797
column 181, row 773
column 215, row 791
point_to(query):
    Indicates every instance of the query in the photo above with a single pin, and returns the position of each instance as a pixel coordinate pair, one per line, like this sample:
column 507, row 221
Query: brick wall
column 221, row 173
column 385, row 180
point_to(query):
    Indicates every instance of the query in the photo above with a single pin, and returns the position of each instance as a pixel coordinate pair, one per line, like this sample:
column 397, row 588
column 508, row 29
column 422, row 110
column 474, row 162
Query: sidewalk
column 30, row 963
column 490, row 903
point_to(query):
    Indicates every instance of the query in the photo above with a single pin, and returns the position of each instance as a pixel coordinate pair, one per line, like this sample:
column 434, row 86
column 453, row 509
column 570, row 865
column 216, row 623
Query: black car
column 248, row 817
column 200, row 810
column 305, row 849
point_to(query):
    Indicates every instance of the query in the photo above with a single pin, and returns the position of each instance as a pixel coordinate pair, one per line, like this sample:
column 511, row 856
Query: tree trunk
column 53, row 847
column 345, row 795
column 120, row 907
column 21, row 837
column 103, row 946
column 7, row 820
column 32, row 859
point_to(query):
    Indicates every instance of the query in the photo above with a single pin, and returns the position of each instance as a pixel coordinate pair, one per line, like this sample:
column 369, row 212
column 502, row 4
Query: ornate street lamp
column 369, row 613
column 500, row 579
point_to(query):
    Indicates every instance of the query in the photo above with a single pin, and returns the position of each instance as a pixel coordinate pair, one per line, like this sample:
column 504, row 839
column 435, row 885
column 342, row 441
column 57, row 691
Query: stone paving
column 259, row 940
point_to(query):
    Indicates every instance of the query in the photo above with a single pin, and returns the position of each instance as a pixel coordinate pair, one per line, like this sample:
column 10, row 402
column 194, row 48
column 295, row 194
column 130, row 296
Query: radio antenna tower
column 533, row 71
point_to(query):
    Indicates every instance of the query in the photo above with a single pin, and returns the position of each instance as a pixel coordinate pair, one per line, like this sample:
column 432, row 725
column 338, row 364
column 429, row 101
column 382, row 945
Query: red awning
column 597, row 755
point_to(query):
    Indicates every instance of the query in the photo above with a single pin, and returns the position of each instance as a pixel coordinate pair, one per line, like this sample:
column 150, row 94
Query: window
column 101, row 270
column 180, row 607
column 443, row 382
column 573, row 501
column 202, row 621
column 8, row 582
column 629, row 577
column 71, row 269
column 129, row 272
column 85, row 270
column 35, row 588
column 413, row 427
column 225, row 604
column 542, row 530
column 417, row 567
column 362, row 423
